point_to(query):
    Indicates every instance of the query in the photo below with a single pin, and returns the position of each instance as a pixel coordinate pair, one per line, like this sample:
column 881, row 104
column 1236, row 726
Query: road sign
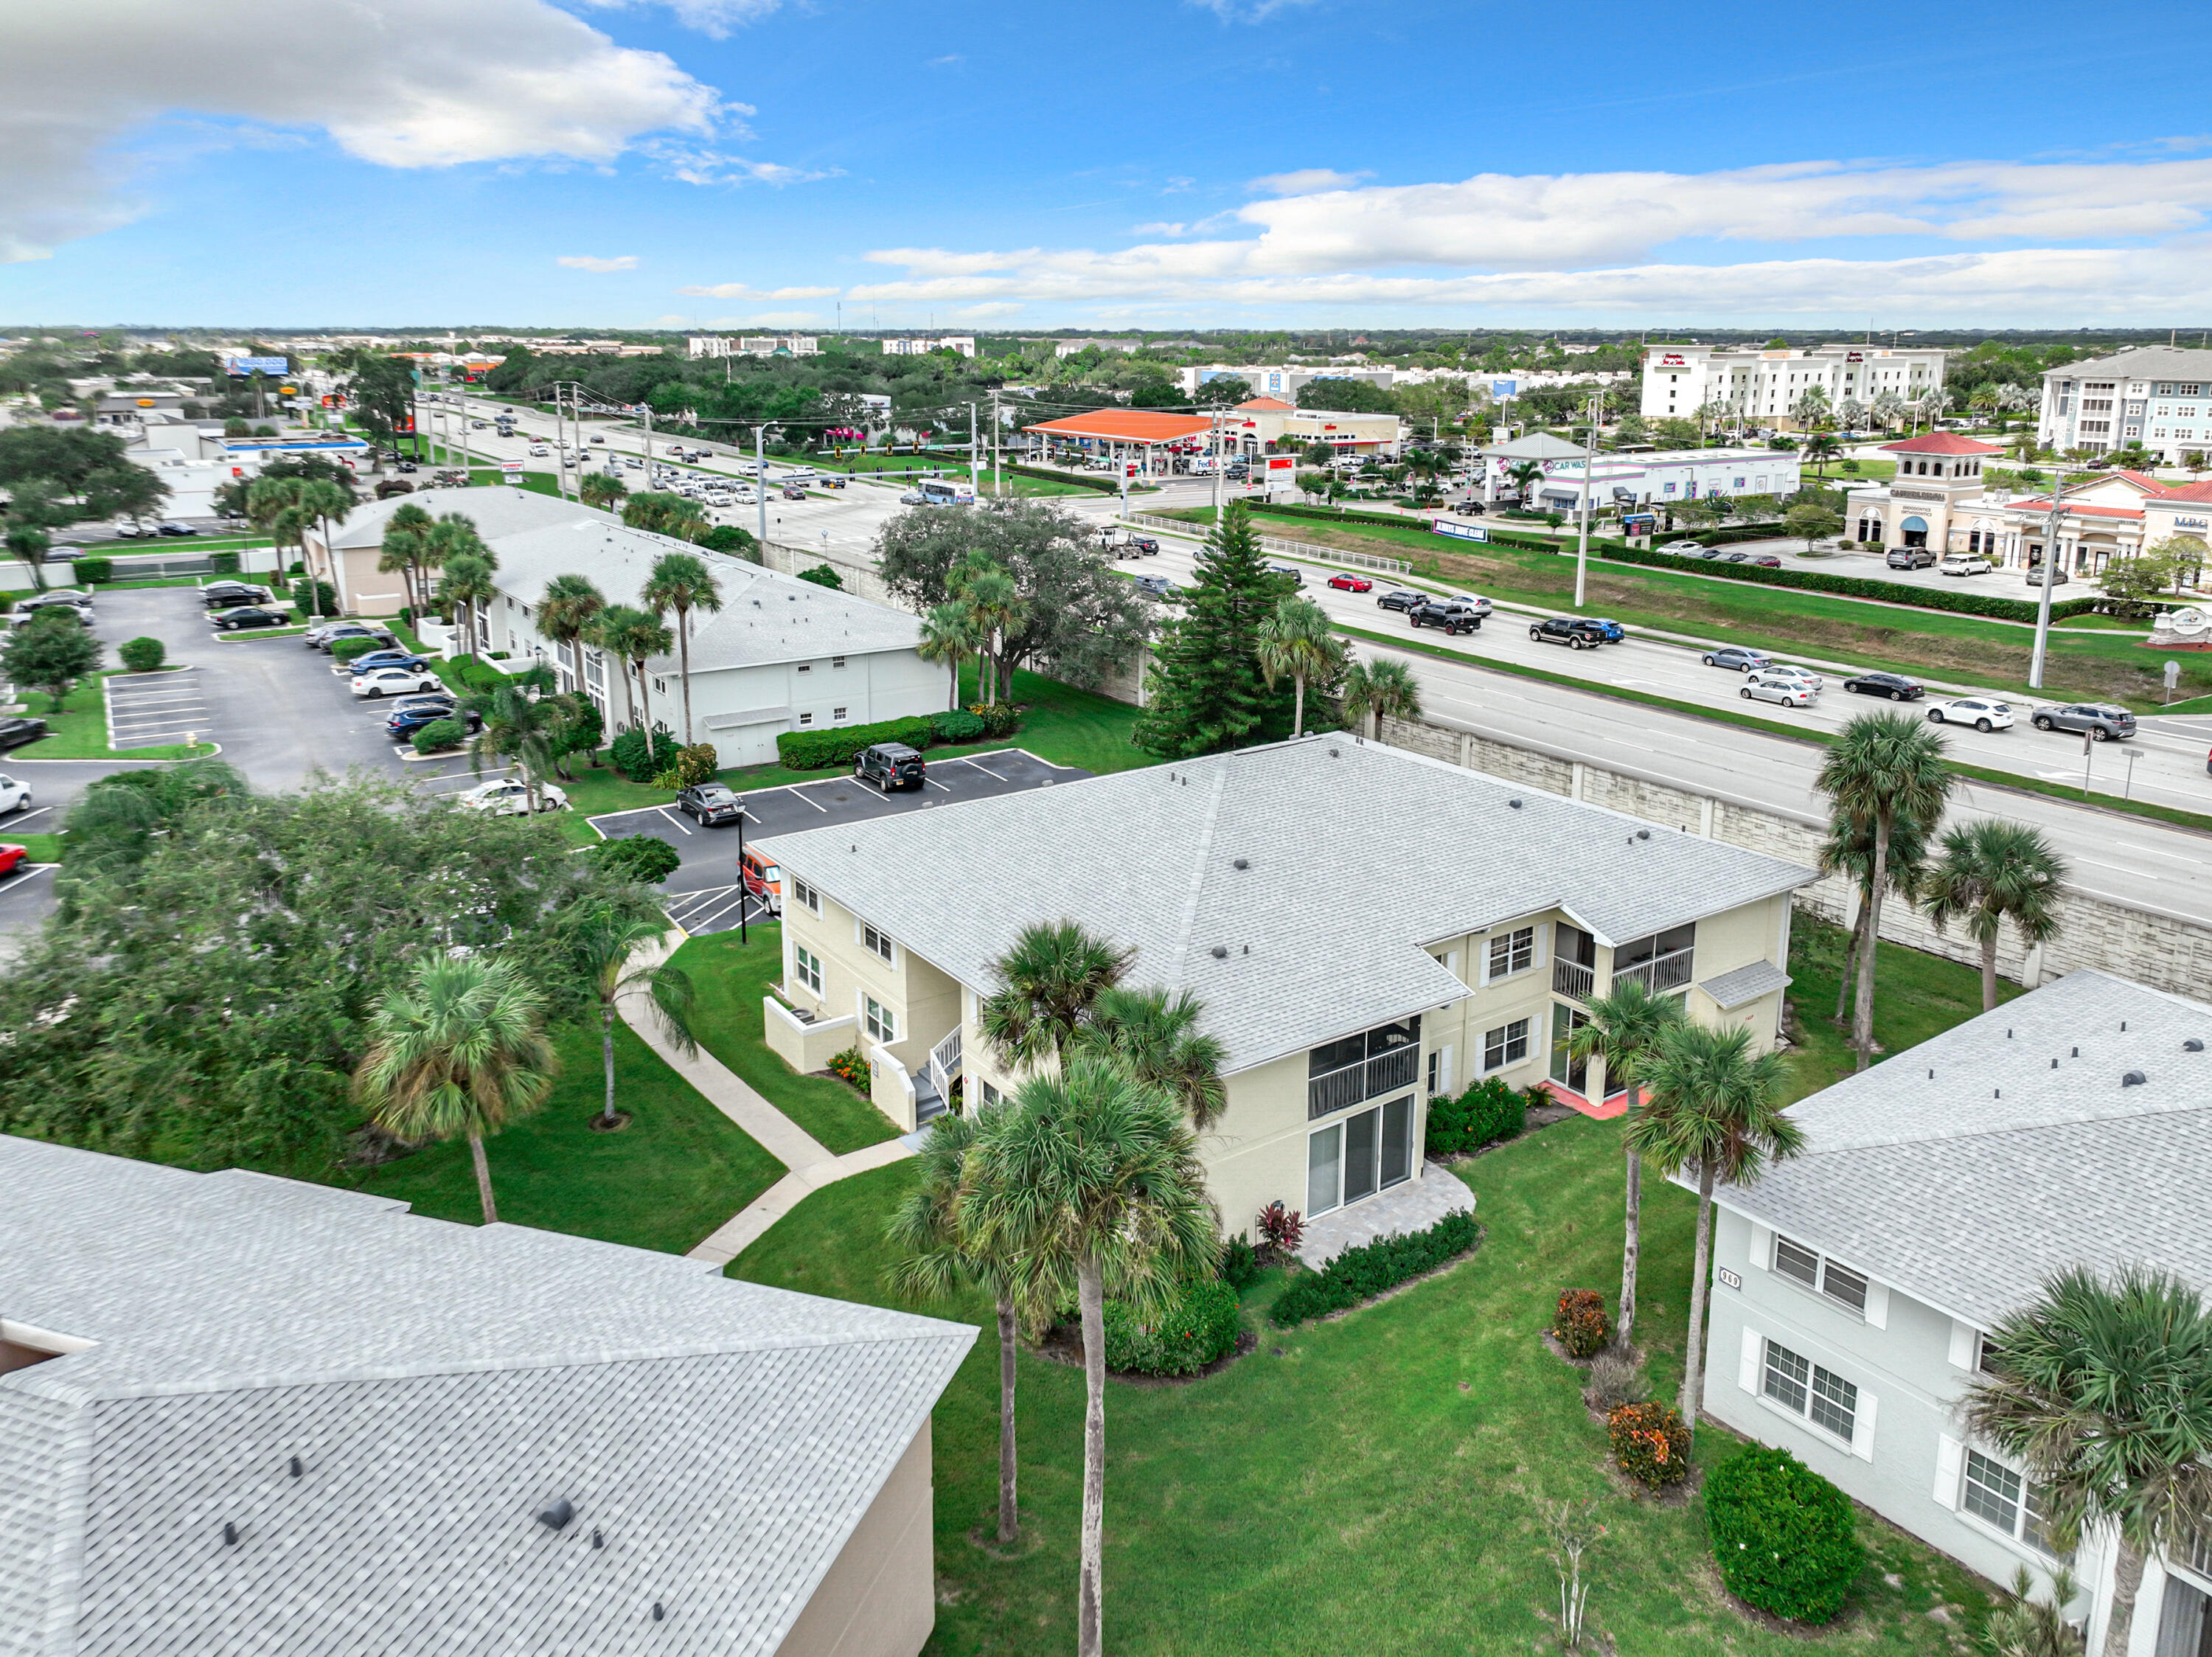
column 514, row 467
column 2172, row 674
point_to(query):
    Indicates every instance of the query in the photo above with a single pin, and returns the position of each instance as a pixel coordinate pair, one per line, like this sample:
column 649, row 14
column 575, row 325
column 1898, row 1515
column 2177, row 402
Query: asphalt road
column 703, row 892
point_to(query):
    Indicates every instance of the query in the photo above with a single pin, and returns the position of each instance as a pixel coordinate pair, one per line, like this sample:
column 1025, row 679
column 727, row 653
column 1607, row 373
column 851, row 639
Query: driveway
column 702, row 893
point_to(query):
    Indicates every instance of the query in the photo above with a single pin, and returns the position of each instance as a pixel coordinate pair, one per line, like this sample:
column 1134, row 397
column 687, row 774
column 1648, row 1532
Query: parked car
column 1452, row 615
column 1402, row 598
column 176, row 529
column 1576, row 632
column 1964, row 564
column 12, row 858
column 60, row 595
column 1767, row 561
column 762, row 878
column 508, row 798
column 1692, row 548
column 250, row 615
column 346, row 630
column 228, row 594
column 392, row 681
column 711, row 803
column 888, row 766
column 2103, row 721
column 376, row 659
column 1298, row 578
column 14, row 795
column 130, row 529
column 1783, row 674
column 2059, row 578
column 412, row 715
column 1895, row 686
column 14, row 733
column 1983, row 713
column 1351, row 583
column 1910, row 557
column 1765, row 687
column 1737, row 657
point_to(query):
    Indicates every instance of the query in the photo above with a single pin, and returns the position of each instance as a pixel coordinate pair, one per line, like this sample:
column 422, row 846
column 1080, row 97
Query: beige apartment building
column 1364, row 927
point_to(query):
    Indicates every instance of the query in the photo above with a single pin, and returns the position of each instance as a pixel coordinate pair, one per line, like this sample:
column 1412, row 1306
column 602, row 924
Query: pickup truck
column 1452, row 615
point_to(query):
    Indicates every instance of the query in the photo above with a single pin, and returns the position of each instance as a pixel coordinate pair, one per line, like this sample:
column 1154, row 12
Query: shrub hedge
column 641, row 758
column 1857, row 587
column 141, row 655
column 851, row 1067
column 638, row 857
column 696, row 765
column 810, row 750
column 1487, row 1112
column 1063, row 478
column 1786, row 1540
column 439, row 733
column 89, row 571
column 958, row 725
column 1650, row 1443
column 1202, row 1326
column 1360, row 1274
column 1579, row 1324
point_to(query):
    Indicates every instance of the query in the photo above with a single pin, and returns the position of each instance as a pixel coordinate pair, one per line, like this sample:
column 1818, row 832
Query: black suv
column 2103, row 721
column 1576, row 632
column 1402, row 598
column 1453, row 615
column 888, row 766
column 711, row 803
column 13, row 732
column 1895, row 686
column 228, row 594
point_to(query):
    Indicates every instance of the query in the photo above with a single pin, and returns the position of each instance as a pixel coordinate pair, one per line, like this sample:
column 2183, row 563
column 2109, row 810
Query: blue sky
column 1161, row 163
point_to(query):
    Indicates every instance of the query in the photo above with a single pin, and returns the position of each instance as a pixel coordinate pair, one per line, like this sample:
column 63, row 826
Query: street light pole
column 2050, row 567
column 1590, row 483
column 760, row 486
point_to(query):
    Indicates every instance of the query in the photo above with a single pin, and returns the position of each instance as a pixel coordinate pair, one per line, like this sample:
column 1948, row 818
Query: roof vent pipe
column 229, row 1534
column 1221, row 952
column 556, row 1517
column 2192, row 1045
column 296, row 1468
column 657, row 1612
column 2134, row 1079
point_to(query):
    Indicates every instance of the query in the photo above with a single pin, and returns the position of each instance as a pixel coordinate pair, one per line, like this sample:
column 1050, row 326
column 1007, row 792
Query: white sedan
column 13, row 795
column 1804, row 677
column 395, row 681
column 508, row 798
column 1790, row 692
column 1964, row 564
column 1983, row 713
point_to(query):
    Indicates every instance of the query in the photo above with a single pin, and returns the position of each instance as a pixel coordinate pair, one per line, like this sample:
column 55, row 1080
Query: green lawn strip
column 1399, row 1455
column 80, row 730
column 679, row 1171
column 1916, row 996
column 2199, row 821
column 731, row 978
column 247, row 635
column 40, row 848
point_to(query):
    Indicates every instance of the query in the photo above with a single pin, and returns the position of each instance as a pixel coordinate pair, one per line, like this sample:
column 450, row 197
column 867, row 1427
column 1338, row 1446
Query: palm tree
column 601, row 942
column 1297, row 640
column 28, row 544
column 468, row 582
column 1882, row 767
column 936, row 1257
column 1849, row 850
column 1626, row 1024
column 600, row 489
column 400, row 552
column 322, row 499
column 634, row 636
column 522, row 728
column 1154, row 1036
column 1094, row 1177
column 1049, row 982
column 1525, row 476
column 1710, row 1106
column 681, row 582
column 1820, row 447
column 948, row 632
column 459, row 1051
column 2024, row 1627
column 1378, row 690
column 453, row 536
column 1992, row 871
column 2103, row 1392
column 994, row 601
column 566, row 614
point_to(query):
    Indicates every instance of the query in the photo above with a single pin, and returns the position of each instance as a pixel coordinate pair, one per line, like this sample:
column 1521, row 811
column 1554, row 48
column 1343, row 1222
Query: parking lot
column 703, row 894
column 149, row 711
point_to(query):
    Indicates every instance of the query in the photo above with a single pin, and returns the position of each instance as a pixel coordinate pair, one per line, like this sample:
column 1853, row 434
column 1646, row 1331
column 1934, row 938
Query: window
column 807, row 719
column 1507, row 1044
column 836, row 715
column 990, row 1095
column 877, row 1017
column 805, row 896
column 1440, row 1070
column 1804, row 1388
column 875, row 943
column 806, row 666
column 1355, row 1158
column 806, row 967
column 1998, row 1497
column 1806, row 1266
column 1512, row 952
column 836, row 662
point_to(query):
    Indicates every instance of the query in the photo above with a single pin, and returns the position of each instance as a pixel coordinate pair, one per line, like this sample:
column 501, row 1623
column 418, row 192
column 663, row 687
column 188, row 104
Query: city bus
column 947, row 491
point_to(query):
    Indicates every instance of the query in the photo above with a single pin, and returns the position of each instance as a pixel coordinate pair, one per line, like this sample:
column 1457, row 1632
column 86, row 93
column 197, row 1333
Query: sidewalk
column 810, row 1166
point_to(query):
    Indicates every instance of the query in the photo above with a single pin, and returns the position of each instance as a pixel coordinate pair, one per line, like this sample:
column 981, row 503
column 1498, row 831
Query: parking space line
column 801, row 791
column 663, row 811
column 694, row 920
column 28, row 815
column 930, row 782
column 985, row 769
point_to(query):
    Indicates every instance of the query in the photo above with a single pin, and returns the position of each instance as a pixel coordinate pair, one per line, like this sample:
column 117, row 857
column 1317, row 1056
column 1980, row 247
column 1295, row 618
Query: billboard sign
column 1459, row 531
column 1505, row 390
column 243, row 365
column 514, row 468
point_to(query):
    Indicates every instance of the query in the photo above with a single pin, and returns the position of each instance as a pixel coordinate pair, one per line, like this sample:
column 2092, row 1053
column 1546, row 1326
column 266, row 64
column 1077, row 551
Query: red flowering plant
column 1650, row 1443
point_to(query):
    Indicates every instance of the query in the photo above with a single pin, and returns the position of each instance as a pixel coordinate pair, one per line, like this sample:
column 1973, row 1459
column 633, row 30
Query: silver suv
column 2103, row 721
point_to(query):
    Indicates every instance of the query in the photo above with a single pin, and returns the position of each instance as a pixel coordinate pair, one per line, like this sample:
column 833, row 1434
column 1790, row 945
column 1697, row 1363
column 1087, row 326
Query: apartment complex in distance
column 964, row 343
column 1766, row 385
column 774, row 344
column 2159, row 397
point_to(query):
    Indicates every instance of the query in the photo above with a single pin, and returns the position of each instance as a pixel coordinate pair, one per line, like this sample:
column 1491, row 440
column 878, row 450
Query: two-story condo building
column 1857, row 1283
column 2158, row 396
column 1365, row 928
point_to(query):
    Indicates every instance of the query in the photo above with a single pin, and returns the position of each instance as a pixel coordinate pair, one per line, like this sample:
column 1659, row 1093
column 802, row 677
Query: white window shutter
column 1762, row 1246
column 1862, row 1426
column 1950, row 1453
column 1747, row 1374
column 1481, row 961
column 1451, row 962
column 1964, row 1337
column 1543, row 941
column 1444, row 1069
column 1877, row 1304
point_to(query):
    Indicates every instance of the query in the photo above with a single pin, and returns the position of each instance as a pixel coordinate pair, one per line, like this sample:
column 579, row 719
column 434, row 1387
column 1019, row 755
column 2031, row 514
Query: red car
column 11, row 859
column 1351, row 583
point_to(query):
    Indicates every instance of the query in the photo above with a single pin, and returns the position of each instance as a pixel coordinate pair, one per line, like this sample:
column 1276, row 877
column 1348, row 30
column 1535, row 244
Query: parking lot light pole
column 2050, row 566
column 1590, row 483
column 760, row 495
column 744, row 891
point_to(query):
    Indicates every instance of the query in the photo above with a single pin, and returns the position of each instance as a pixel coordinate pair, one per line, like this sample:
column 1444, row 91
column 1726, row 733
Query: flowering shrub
column 1579, row 1325
column 852, row 1066
column 1281, row 1231
column 1202, row 1326
column 1650, row 1443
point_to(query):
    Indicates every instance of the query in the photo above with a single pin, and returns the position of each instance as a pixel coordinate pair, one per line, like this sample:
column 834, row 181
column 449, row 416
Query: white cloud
column 695, row 165
column 1159, row 229
column 586, row 262
column 947, row 60
column 1249, row 11
column 768, row 320
column 984, row 312
column 1306, row 182
column 740, row 291
column 711, row 17
column 403, row 83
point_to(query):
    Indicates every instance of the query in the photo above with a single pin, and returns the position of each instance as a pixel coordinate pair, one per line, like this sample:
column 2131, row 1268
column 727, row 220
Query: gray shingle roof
column 1746, row 983
column 440, row 1384
column 1968, row 1188
column 2146, row 362
column 1358, row 855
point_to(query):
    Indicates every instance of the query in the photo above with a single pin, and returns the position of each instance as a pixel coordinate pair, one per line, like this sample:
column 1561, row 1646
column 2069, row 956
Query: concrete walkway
column 809, row 1163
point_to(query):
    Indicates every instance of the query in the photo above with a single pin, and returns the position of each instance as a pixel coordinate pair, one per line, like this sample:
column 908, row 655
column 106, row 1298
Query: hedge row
column 1200, row 1326
column 1361, row 1274
column 806, row 751
column 1487, row 1112
column 1052, row 477
column 1857, row 587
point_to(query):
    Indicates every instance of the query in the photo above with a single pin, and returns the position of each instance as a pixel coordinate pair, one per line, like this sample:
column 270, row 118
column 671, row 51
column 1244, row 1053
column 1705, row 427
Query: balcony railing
column 1660, row 975
column 1385, row 1073
column 1572, row 978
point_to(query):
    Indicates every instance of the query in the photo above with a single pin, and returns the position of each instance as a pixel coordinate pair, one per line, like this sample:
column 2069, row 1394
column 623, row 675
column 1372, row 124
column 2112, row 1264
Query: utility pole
column 1220, row 464
column 1589, row 484
column 760, row 483
column 2050, row 570
column 975, row 476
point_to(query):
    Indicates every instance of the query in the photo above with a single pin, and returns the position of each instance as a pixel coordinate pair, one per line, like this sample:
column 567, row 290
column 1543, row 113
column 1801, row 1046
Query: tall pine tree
column 1205, row 693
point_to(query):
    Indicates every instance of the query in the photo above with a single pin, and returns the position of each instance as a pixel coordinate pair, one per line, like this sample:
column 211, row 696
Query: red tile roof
column 2196, row 492
column 2075, row 508
column 2142, row 480
column 1127, row 425
column 1269, row 405
column 1942, row 442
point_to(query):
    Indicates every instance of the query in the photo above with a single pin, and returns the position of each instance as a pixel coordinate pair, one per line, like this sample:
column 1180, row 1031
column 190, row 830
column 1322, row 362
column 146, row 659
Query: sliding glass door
column 1361, row 1154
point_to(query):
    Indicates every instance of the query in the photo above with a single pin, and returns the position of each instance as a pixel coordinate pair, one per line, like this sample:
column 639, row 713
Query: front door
column 1571, row 1073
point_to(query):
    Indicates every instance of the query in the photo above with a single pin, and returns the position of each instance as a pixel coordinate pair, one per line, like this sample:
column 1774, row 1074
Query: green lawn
column 669, row 1179
column 730, row 979
column 1916, row 996
column 80, row 730
column 41, row 848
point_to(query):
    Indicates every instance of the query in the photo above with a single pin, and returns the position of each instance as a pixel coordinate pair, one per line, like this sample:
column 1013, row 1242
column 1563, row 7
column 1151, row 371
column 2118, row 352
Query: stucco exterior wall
column 880, row 1596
